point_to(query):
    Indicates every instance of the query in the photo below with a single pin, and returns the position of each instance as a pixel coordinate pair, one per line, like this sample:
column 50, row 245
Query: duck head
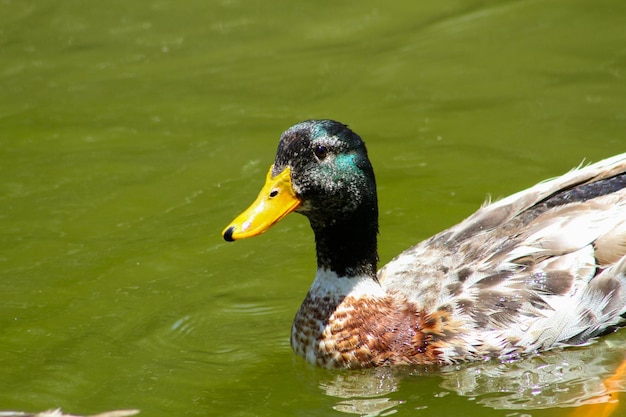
column 321, row 170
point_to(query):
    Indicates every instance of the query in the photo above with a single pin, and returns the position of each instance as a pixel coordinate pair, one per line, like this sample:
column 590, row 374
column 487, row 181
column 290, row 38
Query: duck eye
column 320, row 152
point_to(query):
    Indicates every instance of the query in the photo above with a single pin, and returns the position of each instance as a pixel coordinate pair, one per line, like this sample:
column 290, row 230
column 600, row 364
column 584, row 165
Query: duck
column 541, row 269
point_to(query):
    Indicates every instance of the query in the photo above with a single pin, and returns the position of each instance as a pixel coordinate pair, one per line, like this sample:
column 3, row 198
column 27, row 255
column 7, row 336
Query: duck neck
column 348, row 246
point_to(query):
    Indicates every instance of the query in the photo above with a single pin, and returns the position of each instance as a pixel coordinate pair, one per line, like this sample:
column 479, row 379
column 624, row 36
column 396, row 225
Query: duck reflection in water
column 588, row 379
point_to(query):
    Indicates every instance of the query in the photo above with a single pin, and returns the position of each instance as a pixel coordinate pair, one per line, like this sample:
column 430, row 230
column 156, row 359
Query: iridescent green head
column 330, row 170
column 322, row 171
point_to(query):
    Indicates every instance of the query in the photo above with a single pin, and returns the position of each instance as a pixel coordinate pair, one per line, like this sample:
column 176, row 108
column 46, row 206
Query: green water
column 132, row 132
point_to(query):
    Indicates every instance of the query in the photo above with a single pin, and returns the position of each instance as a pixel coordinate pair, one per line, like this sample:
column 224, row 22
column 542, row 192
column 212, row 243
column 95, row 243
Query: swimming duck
column 542, row 268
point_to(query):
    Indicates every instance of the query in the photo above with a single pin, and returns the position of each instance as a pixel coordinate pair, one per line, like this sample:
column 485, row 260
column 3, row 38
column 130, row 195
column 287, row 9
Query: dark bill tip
column 228, row 234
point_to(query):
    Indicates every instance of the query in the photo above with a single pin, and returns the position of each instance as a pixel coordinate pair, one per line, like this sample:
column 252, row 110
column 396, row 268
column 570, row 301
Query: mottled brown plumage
column 363, row 332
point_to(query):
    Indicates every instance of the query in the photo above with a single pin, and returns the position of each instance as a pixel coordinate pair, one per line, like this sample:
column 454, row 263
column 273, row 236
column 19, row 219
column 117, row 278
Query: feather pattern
column 529, row 272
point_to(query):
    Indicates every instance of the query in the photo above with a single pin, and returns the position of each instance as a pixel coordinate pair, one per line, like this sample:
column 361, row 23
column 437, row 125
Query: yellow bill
column 275, row 201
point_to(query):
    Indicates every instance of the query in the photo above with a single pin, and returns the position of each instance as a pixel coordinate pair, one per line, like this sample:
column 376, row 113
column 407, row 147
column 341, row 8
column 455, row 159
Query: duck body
column 543, row 268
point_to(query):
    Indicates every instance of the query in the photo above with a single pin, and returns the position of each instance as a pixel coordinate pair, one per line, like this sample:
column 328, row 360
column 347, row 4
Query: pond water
column 132, row 132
